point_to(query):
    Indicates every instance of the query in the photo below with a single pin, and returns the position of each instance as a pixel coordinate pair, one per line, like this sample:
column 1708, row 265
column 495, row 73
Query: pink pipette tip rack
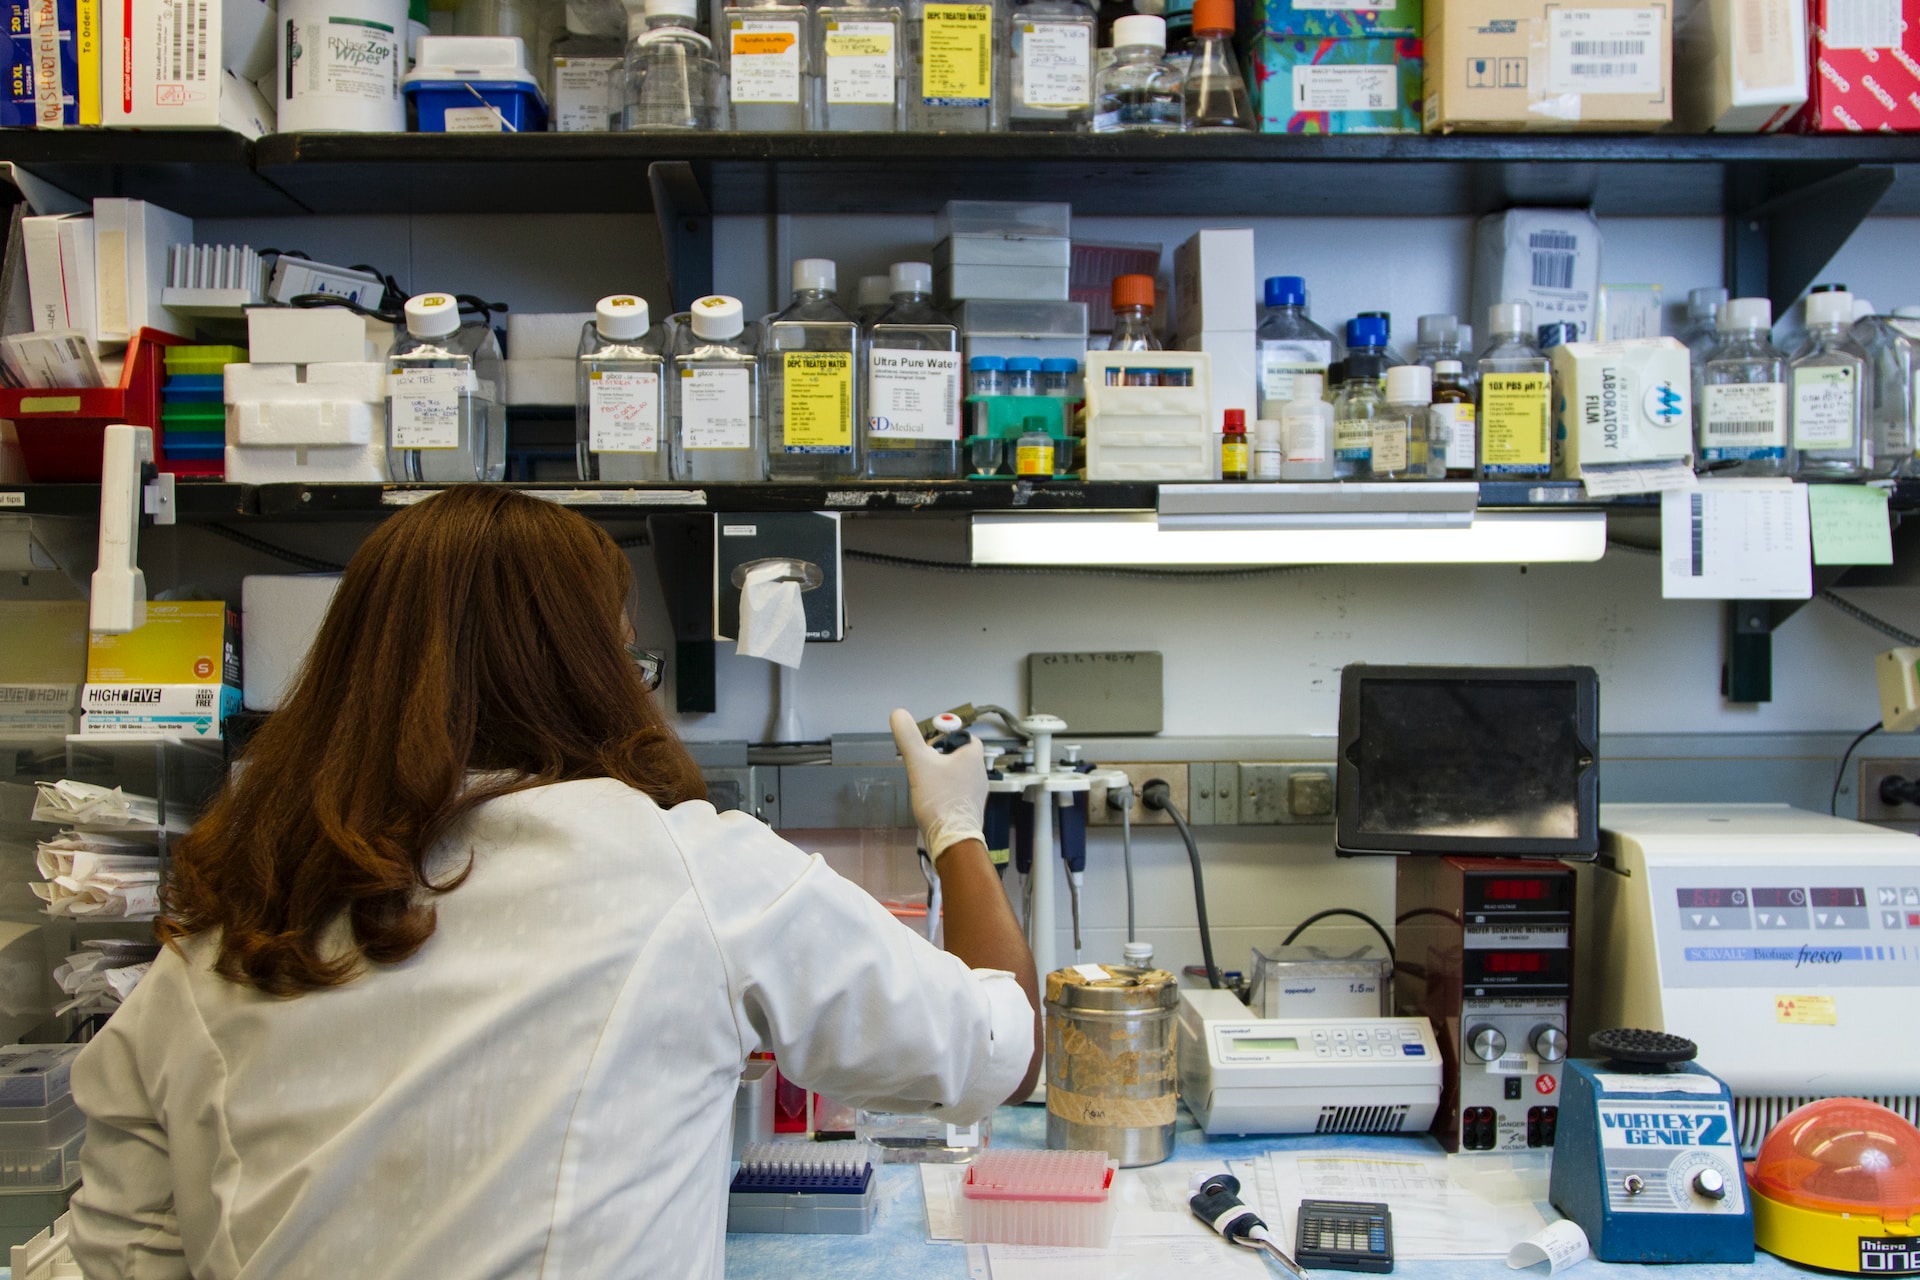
column 1038, row 1197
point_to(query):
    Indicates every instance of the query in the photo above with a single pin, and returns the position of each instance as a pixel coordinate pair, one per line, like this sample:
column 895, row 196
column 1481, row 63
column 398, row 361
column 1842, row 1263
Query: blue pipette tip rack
column 804, row 1188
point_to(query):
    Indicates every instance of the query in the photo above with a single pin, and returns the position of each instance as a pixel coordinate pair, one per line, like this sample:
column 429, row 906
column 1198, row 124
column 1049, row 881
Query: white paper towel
column 773, row 623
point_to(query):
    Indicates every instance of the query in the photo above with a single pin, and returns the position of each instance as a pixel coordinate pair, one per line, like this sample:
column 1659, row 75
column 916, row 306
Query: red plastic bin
column 63, row 432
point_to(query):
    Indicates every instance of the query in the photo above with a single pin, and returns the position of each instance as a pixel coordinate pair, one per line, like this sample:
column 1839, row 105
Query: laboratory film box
column 1337, row 18
column 1740, row 66
column 1320, row 85
column 1618, row 404
column 1498, row 66
column 1866, row 68
column 1546, row 258
column 177, row 674
column 43, row 662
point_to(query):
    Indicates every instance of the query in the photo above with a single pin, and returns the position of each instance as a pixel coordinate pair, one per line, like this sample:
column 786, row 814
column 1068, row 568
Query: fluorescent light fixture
column 1136, row 538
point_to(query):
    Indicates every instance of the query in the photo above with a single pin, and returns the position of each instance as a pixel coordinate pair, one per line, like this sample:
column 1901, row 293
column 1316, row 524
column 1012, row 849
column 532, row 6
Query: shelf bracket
column 683, row 560
column 1777, row 247
column 1747, row 673
column 685, row 219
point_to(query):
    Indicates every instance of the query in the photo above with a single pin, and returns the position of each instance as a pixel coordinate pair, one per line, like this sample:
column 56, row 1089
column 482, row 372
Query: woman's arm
column 981, row 930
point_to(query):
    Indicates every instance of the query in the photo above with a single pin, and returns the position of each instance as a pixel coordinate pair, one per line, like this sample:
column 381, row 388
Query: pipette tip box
column 1038, row 1197
column 804, row 1188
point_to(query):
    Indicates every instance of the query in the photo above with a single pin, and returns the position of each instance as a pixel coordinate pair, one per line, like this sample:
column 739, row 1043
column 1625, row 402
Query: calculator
column 1344, row 1235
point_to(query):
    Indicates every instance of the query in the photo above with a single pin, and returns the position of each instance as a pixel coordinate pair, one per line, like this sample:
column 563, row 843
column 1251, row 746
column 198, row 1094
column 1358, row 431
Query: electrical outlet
column 1285, row 794
column 1174, row 775
column 1872, row 807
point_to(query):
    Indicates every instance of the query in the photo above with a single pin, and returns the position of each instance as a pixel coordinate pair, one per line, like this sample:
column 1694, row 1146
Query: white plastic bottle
column 1306, row 431
column 1269, row 453
column 619, row 387
column 445, row 422
column 1827, row 374
column 715, row 396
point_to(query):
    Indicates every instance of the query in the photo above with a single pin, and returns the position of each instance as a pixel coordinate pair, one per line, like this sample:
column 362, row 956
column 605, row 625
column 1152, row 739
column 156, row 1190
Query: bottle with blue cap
column 619, row 390
column 1290, row 343
column 913, row 384
column 714, row 397
column 445, row 419
column 1057, row 376
column 1361, row 402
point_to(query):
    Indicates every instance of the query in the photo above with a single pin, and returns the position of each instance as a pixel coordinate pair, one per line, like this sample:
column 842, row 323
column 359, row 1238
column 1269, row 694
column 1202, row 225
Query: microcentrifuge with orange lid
column 1837, row 1186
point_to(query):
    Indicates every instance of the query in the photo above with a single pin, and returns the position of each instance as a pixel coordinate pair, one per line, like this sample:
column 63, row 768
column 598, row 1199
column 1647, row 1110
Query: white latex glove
column 949, row 791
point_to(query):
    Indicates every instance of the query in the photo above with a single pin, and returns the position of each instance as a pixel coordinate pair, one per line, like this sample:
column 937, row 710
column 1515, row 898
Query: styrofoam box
column 280, row 614
column 303, row 424
column 314, row 335
column 543, row 381
column 542, row 335
column 315, row 423
column 252, row 464
column 1151, row 433
column 359, row 381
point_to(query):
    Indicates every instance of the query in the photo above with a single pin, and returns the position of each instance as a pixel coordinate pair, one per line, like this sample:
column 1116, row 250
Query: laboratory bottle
column 1361, row 402
column 767, row 50
column 619, row 393
column 813, row 406
column 874, row 297
column 672, row 79
column 860, row 55
column 1740, row 396
column 1216, row 92
column 445, row 420
column 1023, row 376
column 1437, row 337
column 1549, row 336
column 1827, row 372
column 1133, row 328
column 1701, row 331
column 1892, row 344
column 951, row 50
column 1386, row 329
column 1452, row 418
column 1289, row 342
column 715, row 398
column 1268, row 454
column 1235, row 457
column 1403, row 436
column 913, row 384
column 586, row 69
column 1306, row 431
column 1516, row 396
column 1050, row 48
column 1033, row 453
column 1141, row 91
column 1057, row 377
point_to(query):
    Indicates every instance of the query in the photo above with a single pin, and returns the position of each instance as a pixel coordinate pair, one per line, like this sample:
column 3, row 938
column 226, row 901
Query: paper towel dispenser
column 809, row 540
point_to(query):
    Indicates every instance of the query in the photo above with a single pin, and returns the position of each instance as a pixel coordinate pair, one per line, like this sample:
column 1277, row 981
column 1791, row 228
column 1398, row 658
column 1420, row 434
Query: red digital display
column 1712, row 898
column 1838, row 897
column 1515, row 962
column 1516, row 890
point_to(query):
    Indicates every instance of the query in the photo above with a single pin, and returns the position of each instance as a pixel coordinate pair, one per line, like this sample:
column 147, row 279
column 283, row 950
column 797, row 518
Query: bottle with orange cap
column 1133, row 327
column 1216, row 92
column 1050, row 72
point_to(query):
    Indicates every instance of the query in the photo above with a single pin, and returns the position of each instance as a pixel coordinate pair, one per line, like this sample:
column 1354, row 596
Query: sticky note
column 1850, row 524
column 1806, row 1011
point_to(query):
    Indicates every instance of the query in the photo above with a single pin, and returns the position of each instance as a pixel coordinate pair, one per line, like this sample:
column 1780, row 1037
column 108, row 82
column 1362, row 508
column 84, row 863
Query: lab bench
column 898, row 1248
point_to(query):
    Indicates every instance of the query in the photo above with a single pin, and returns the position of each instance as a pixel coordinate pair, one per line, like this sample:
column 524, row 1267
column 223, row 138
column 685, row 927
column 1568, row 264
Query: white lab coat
column 545, row 1089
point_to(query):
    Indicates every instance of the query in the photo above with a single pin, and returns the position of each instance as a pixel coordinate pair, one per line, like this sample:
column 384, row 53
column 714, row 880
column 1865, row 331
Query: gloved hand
column 949, row 791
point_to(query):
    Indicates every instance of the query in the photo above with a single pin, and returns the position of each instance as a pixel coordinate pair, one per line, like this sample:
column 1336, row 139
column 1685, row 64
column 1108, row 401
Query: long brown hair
column 481, row 630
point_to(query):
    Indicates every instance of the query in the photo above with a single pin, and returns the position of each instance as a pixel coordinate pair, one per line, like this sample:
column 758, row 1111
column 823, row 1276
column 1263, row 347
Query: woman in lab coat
column 461, row 970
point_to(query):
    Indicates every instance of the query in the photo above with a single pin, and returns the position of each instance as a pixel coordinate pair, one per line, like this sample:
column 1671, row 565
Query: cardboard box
column 1740, row 66
column 180, row 673
column 1506, row 65
column 1620, row 403
column 1320, row 18
column 1546, row 258
column 187, row 64
column 1309, row 85
column 1866, row 68
column 1235, row 381
column 1214, row 282
column 43, row 661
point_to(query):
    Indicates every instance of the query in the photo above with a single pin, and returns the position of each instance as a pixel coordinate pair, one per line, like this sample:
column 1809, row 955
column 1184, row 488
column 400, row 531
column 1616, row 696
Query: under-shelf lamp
column 1138, row 538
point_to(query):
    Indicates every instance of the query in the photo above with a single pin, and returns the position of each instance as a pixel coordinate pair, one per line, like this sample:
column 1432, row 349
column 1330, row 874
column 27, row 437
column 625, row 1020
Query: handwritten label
column 424, row 407
column 860, row 63
column 1850, row 524
column 1826, row 407
column 623, row 411
column 716, row 409
column 1056, row 64
column 766, row 61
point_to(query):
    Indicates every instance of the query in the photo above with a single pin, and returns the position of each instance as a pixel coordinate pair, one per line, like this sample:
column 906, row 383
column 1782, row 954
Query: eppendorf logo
column 1662, row 1129
column 1890, row 1255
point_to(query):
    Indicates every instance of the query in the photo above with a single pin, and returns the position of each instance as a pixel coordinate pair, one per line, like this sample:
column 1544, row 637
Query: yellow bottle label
column 1034, row 459
column 1233, row 457
column 817, row 395
column 1514, row 411
column 957, row 55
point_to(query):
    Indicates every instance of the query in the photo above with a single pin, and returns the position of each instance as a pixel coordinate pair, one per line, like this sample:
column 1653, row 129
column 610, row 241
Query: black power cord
column 1156, row 794
column 1318, row 916
column 1833, row 799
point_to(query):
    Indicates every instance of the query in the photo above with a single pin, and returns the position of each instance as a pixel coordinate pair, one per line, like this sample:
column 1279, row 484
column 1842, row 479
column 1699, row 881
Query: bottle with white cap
column 767, row 54
column 1516, row 398
column 1437, row 338
column 953, row 57
column 445, row 420
column 1702, row 330
column 873, row 299
column 913, row 384
column 1050, row 53
column 1306, row 430
column 672, row 80
column 1741, row 422
column 1140, row 92
column 813, row 398
column 1892, row 343
column 1403, row 435
column 861, row 56
column 1827, row 374
column 619, row 390
column 714, row 400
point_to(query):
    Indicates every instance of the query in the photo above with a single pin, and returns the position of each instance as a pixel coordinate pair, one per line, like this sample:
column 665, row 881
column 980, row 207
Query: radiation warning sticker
column 1806, row 1011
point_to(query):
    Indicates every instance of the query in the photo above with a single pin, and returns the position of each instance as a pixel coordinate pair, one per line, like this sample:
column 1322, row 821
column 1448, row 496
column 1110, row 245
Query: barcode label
column 1564, row 240
column 1750, row 427
column 1606, row 51
column 1609, row 48
column 180, row 52
column 1602, row 70
column 1553, row 270
column 1697, row 517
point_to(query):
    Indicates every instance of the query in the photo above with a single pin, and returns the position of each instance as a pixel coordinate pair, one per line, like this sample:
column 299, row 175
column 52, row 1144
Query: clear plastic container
column 994, row 327
column 715, row 397
column 619, row 396
column 767, row 56
column 913, row 384
column 813, row 403
column 1023, row 376
column 1740, row 396
column 860, row 56
column 951, row 71
column 987, row 376
column 1827, row 374
column 445, row 420
column 672, row 79
column 1057, row 377
column 1019, row 219
column 36, row 1075
column 1140, row 91
column 1216, row 92
column 42, row 1152
column 1050, row 52
column 1701, row 331
column 1516, row 399
column 1892, row 344
column 1437, row 338
column 1361, row 402
column 1403, row 437
column 1038, row 1197
column 1290, row 342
